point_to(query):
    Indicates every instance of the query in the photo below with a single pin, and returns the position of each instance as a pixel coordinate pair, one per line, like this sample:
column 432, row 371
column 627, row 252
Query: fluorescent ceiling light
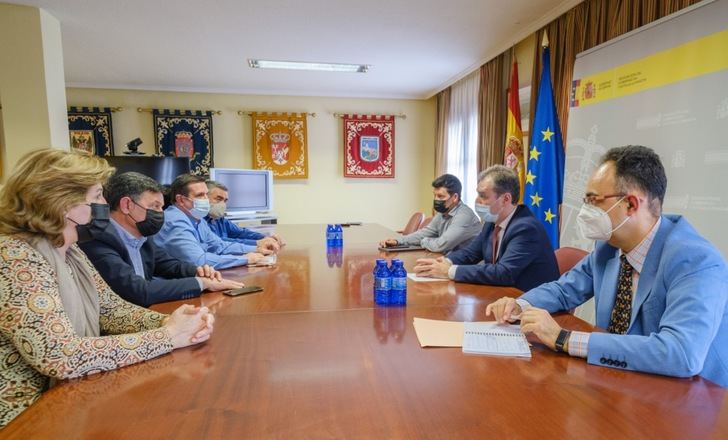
column 300, row 65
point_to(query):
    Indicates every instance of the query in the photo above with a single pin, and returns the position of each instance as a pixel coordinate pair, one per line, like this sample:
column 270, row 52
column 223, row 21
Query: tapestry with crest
column 280, row 144
column 369, row 146
column 90, row 130
column 185, row 134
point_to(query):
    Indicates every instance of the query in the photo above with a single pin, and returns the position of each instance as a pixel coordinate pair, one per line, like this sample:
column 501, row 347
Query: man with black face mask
column 454, row 224
column 133, row 266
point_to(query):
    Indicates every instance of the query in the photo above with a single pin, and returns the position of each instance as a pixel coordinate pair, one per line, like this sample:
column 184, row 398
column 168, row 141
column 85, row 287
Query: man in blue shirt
column 185, row 234
column 229, row 231
column 133, row 266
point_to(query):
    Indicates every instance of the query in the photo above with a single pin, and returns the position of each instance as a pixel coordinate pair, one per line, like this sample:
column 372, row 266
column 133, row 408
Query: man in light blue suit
column 660, row 289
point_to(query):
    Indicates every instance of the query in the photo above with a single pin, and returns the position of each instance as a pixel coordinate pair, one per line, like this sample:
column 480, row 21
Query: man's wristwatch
column 561, row 340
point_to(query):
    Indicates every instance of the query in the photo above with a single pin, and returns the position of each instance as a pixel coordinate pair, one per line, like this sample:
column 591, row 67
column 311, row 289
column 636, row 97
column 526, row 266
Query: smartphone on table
column 243, row 291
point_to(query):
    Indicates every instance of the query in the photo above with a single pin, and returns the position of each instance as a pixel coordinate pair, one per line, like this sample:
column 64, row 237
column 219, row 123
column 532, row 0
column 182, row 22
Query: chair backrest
column 425, row 222
column 413, row 224
column 567, row 257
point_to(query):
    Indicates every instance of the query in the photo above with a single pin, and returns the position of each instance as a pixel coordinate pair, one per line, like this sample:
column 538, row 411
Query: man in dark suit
column 133, row 266
column 512, row 249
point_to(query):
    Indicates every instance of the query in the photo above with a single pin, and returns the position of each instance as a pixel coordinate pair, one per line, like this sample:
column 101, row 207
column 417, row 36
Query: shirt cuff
column 524, row 305
column 199, row 282
column 578, row 344
column 452, row 270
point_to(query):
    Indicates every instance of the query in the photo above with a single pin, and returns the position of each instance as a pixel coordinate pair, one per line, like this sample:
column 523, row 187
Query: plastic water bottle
column 330, row 236
column 382, row 283
column 398, row 292
column 339, row 236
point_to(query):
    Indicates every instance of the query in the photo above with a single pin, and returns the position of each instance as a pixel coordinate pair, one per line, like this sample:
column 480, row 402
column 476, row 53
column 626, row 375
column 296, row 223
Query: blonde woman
column 58, row 318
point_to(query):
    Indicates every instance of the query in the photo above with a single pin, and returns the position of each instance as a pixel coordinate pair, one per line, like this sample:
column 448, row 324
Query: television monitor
column 162, row 169
column 249, row 190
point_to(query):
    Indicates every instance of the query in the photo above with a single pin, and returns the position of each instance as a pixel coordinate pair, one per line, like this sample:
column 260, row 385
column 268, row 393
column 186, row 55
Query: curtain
column 443, row 114
column 493, row 110
column 462, row 134
column 587, row 25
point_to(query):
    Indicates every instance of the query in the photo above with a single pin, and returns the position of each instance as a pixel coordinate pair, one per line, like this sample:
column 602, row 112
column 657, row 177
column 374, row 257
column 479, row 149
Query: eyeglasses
column 593, row 199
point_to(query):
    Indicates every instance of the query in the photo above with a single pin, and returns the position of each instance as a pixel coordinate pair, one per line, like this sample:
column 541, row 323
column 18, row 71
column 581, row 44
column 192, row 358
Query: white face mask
column 200, row 208
column 484, row 213
column 594, row 223
column 217, row 210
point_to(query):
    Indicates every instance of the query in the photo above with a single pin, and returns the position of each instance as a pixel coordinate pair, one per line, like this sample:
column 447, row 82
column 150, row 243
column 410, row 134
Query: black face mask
column 99, row 222
column 152, row 223
column 439, row 206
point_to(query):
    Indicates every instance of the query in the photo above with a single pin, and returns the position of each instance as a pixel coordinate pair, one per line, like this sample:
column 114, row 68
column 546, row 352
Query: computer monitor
column 249, row 190
column 162, row 169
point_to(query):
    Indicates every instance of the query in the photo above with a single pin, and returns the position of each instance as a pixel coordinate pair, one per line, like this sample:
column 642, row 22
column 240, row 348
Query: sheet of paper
column 494, row 339
column 417, row 279
column 436, row 333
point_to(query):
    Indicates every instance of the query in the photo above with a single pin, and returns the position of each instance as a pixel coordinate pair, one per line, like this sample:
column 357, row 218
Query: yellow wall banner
column 280, row 144
column 695, row 58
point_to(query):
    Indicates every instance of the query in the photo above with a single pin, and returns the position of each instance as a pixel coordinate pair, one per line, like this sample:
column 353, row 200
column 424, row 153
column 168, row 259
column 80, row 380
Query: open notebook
column 494, row 339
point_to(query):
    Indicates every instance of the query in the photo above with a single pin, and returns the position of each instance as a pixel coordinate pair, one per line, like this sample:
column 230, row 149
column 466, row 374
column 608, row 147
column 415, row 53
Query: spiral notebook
column 495, row 339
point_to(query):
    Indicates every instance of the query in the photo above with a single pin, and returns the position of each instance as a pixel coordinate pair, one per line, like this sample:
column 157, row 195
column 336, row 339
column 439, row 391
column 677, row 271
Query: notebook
column 495, row 339
column 402, row 248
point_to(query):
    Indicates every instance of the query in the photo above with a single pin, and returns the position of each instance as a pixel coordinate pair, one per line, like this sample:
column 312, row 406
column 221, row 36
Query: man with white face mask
column 229, row 231
column 512, row 248
column 186, row 236
column 660, row 289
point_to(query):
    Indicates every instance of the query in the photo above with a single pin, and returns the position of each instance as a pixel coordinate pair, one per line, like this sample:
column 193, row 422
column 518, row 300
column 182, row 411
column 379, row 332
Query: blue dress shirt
column 132, row 245
column 229, row 231
column 192, row 240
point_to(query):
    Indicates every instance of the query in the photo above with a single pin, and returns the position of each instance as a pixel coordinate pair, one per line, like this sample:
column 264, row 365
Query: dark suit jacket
column 166, row 278
column 525, row 259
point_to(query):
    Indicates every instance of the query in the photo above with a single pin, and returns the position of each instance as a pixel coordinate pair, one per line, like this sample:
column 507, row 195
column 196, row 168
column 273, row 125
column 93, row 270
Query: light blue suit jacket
column 679, row 323
column 193, row 241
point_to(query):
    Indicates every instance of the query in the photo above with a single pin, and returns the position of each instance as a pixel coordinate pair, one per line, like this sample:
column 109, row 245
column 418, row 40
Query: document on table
column 415, row 278
column 436, row 333
column 494, row 339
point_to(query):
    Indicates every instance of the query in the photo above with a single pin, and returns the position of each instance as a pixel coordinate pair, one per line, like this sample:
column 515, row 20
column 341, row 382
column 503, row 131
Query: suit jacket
column 525, row 258
column 165, row 278
column 679, row 324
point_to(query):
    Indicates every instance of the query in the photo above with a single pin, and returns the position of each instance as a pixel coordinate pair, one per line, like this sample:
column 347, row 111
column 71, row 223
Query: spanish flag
column 514, row 154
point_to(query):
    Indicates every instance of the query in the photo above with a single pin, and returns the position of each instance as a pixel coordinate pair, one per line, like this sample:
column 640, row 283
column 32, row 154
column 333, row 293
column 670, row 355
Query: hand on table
column 189, row 325
column 432, row 267
column 207, row 271
column 504, row 310
column 388, row 242
column 222, row 284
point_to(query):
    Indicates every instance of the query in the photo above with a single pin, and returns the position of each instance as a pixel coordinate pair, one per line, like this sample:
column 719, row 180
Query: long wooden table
column 313, row 357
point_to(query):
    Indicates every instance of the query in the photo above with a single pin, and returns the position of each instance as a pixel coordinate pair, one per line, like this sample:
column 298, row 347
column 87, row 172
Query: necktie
column 496, row 232
column 622, row 311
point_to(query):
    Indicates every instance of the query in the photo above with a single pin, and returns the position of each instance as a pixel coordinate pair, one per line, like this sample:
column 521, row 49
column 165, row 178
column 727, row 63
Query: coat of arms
column 183, row 144
column 369, row 148
column 279, row 148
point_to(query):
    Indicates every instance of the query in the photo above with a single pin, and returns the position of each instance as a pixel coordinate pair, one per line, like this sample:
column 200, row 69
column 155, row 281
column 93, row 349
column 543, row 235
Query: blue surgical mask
column 484, row 213
column 200, row 208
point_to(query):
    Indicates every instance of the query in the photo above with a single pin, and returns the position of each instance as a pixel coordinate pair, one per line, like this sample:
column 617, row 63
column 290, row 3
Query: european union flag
column 545, row 175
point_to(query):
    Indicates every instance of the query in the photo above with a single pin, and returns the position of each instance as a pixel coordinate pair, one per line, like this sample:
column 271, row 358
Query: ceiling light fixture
column 300, row 65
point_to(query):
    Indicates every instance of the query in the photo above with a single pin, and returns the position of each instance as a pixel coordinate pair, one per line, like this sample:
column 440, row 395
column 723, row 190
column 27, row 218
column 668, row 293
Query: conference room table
column 312, row 356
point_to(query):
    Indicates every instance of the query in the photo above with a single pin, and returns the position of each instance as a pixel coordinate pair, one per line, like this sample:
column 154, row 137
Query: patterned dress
column 37, row 340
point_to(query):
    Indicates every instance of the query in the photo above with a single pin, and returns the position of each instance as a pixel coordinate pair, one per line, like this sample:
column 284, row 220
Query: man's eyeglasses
column 593, row 199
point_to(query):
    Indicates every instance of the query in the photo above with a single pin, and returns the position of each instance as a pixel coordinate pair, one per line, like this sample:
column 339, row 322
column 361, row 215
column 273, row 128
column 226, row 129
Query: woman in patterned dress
column 58, row 318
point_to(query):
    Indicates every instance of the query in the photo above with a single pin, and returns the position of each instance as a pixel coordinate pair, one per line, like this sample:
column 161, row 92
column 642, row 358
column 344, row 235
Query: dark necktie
column 496, row 231
column 622, row 311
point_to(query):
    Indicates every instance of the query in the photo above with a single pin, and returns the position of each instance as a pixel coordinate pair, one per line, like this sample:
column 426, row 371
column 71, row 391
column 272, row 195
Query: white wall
column 326, row 196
